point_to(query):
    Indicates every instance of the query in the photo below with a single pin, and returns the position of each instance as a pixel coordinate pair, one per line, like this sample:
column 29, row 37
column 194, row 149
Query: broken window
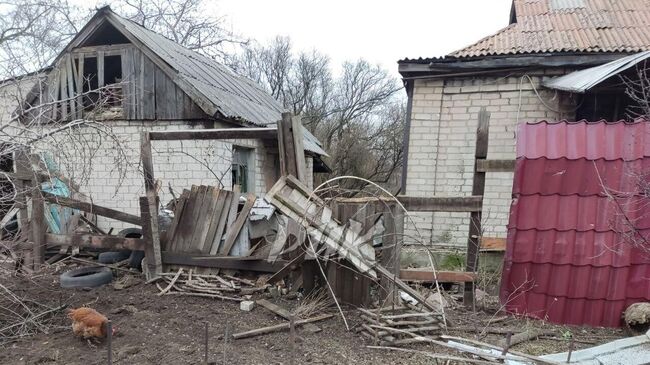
column 242, row 162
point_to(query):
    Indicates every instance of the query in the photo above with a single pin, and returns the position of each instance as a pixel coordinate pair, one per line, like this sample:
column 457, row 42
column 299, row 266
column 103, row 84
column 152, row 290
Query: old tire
column 86, row 277
column 135, row 259
column 112, row 257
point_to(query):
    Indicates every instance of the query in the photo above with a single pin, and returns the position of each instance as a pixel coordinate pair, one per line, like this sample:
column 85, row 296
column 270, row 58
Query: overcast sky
column 380, row 31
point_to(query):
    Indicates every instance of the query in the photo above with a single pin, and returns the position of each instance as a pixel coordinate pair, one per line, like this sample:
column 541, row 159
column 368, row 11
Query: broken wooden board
column 297, row 201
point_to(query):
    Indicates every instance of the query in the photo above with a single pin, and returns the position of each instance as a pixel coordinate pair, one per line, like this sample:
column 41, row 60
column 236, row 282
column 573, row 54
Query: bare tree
column 32, row 32
column 186, row 22
column 637, row 88
column 359, row 115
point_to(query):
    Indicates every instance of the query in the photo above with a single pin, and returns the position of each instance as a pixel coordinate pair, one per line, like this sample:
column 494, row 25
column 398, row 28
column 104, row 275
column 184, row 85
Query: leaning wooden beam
column 223, row 262
column 483, row 165
column 441, row 276
column 442, row 204
column 225, row 133
column 149, row 208
column 279, row 327
column 96, row 241
column 92, row 208
column 233, row 231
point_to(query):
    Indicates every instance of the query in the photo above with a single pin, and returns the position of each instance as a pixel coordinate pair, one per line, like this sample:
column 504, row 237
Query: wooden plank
column 64, row 92
column 249, row 263
column 216, row 134
column 478, row 189
column 108, row 49
column 229, row 196
column 178, row 213
column 274, row 308
column 442, row 204
column 96, row 241
column 71, row 93
column 286, row 146
column 210, row 219
column 100, row 68
column 299, row 149
column 425, row 275
column 38, row 227
column 393, row 216
column 79, row 84
column 191, row 245
column 92, row 208
column 483, row 165
column 147, row 92
column 279, row 327
column 152, row 253
column 493, row 244
column 184, row 229
column 233, row 231
column 382, row 271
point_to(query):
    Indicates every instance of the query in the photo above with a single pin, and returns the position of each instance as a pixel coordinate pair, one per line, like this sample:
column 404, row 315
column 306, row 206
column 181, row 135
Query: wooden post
column 38, row 226
column 478, row 188
column 291, row 148
column 150, row 209
column 391, row 253
column 22, row 186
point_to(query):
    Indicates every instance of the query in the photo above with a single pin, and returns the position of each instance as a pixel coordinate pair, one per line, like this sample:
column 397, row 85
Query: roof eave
column 408, row 68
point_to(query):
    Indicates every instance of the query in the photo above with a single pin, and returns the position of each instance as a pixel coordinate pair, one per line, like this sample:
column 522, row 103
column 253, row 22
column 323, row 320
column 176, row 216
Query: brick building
column 506, row 73
column 130, row 79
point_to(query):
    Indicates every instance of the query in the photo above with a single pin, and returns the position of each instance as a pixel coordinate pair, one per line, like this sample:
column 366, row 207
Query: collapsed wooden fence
column 288, row 134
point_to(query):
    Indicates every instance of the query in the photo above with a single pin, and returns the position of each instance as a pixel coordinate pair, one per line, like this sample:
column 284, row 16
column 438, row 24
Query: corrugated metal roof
column 583, row 80
column 234, row 96
column 567, row 260
column 545, row 26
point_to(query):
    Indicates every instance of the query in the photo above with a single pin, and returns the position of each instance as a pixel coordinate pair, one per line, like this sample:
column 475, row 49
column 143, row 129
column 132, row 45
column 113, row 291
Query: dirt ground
column 170, row 330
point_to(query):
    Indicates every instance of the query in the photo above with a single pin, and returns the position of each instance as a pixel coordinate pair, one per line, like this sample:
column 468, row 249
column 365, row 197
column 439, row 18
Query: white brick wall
column 181, row 163
column 442, row 141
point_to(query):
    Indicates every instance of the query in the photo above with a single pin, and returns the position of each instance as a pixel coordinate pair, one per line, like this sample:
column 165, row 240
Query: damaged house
column 131, row 79
column 514, row 74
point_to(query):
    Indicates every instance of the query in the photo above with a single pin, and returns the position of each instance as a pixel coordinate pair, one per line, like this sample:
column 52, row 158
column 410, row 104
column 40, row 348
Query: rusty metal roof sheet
column 568, row 259
column 550, row 26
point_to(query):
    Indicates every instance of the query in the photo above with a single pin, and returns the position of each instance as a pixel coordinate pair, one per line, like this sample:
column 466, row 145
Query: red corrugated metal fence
column 572, row 256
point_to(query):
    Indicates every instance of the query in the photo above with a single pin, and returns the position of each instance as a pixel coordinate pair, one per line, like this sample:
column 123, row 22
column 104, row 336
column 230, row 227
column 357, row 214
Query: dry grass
column 317, row 301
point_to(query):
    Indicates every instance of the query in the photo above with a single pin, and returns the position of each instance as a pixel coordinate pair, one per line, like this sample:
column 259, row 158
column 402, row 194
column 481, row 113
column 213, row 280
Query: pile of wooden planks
column 223, row 287
column 206, row 222
column 399, row 326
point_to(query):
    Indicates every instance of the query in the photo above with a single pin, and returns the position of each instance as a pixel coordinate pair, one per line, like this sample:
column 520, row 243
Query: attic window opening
column 107, row 76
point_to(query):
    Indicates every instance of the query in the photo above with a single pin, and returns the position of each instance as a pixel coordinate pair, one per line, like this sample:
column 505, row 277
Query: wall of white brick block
column 179, row 163
column 442, row 141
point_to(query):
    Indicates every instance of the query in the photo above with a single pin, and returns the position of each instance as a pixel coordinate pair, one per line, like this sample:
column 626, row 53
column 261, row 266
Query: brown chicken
column 88, row 323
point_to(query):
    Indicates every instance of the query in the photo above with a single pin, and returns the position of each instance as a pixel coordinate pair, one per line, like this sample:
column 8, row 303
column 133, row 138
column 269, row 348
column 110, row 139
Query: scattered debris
column 279, row 327
column 399, row 326
column 206, row 285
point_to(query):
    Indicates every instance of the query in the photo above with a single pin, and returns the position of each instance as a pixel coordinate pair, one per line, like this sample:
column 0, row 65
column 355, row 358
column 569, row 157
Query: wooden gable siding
column 148, row 92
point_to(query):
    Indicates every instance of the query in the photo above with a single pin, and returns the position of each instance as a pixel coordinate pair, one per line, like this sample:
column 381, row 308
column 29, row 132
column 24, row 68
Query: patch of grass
column 452, row 261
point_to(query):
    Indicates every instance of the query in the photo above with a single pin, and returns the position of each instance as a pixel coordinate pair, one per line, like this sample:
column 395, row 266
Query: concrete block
column 247, row 305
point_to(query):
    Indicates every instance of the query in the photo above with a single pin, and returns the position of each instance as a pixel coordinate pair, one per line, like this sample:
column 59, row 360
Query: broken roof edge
column 583, row 80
